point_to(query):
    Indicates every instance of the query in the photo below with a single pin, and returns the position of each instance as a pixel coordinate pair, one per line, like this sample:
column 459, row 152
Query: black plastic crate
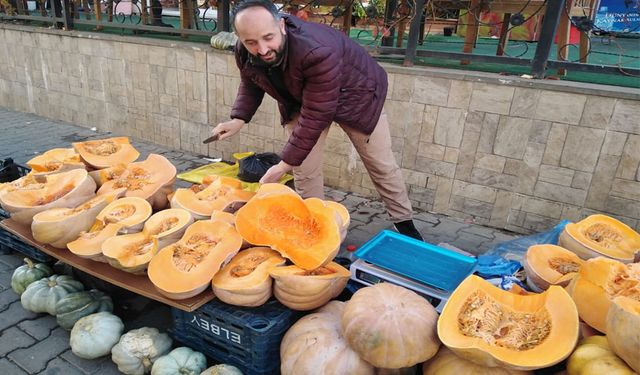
column 10, row 171
column 9, row 241
column 248, row 338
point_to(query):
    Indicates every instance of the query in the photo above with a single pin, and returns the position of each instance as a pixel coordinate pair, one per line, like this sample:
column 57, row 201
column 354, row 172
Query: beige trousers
column 377, row 157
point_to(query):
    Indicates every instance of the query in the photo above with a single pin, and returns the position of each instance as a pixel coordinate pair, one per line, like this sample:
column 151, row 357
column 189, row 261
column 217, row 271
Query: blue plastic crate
column 9, row 241
column 248, row 338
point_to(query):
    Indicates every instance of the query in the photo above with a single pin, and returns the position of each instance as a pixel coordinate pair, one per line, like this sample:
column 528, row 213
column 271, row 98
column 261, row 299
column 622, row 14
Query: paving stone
column 59, row 366
column 7, row 297
column 9, row 368
column 12, row 260
column 39, row 328
column 89, row 366
column 14, row 314
column 11, row 339
column 36, row 358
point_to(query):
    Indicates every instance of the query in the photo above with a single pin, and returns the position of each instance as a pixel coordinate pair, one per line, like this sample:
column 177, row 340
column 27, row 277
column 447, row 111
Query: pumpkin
column 151, row 179
column 304, row 290
column 138, row 349
column 182, row 360
column 593, row 356
column 103, row 153
column 601, row 235
column 215, row 193
column 547, row 265
column 29, row 182
column 623, row 330
column 100, row 176
column 390, row 326
column 343, row 213
column 28, row 273
column 55, row 161
column 447, row 362
column 94, row 335
column 222, row 369
column 485, row 324
column 308, row 236
column 43, row 295
column 598, row 282
column 315, row 344
column 185, row 268
column 245, row 280
column 59, row 226
column 66, row 189
column 73, row 306
column 125, row 215
column 133, row 252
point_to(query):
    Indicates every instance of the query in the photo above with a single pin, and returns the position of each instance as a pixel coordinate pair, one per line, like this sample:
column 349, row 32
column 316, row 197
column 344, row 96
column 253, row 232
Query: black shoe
column 408, row 229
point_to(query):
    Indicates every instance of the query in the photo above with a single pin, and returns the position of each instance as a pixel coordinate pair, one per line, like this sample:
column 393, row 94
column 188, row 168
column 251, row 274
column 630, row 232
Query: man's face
column 261, row 34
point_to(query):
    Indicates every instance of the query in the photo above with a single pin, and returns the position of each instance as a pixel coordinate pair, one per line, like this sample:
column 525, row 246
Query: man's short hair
column 246, row 4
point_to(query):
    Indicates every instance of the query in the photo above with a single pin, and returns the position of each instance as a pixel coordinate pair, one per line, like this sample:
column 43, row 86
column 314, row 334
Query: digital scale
column 432, row 271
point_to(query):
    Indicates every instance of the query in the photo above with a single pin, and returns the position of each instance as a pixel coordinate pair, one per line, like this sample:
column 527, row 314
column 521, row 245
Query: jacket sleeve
column 249, row 95
column 321, row 73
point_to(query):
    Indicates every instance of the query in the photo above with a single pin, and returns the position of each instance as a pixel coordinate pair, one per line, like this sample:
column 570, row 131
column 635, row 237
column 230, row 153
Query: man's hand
column 275, row 173
column 226, row 129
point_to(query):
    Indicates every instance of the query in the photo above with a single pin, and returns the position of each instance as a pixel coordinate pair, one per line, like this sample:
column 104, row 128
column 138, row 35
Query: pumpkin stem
column 146, row 362
column 29, row 262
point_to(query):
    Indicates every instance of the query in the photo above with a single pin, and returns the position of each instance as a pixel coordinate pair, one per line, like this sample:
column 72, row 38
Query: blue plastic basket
column 435, row 266
column 248, row 338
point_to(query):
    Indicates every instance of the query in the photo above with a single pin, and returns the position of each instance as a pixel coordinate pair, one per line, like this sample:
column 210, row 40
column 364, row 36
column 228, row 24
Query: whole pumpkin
column 222, row 369
column 593, row 356
column 28, row 273
column 73, row 306
column 94, row 335
column 183, row 361
column 137, row 349
column 43, row 295
column 390, row 326
column 447, row 362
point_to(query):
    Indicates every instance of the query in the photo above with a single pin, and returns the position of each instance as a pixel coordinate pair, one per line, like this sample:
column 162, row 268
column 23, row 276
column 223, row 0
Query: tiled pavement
column 34, row 344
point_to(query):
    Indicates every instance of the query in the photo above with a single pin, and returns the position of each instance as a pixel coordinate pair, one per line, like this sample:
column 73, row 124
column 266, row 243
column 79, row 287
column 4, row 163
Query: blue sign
column 621, row 16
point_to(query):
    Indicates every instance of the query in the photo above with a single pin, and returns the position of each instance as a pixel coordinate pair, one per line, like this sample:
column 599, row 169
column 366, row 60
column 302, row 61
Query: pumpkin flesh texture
column 138, row 349
column 43, row 295
column 125, row 215
column 182, row 361
column 305, row 290
column 74, row 306
column 547, row 265
column 497, row 328
column 315, row 345
column 55, row 161
column 94, row 335
column 245, row 280
column 59, row 226
column 67, row 189
column 28, row 273
column 623, row 330
column 216, row 193
column 309, row 237
column 185, row 268
column 151, row 179
column 103, row 153
column 447, row 362
column 598, row 282
column 601, row 235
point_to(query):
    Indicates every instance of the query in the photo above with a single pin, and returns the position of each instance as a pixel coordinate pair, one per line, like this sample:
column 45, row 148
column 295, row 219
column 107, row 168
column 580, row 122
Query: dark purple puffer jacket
column 332, row 77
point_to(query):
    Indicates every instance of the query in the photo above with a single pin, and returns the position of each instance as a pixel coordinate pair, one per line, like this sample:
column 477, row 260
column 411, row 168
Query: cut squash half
column 215, row 194
column 547, row 265
column 55, row 161
column 104, row 153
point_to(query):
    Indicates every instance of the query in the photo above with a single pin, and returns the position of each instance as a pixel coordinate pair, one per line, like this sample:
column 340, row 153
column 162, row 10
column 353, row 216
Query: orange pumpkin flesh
column 547, row 265
column 103, row 153
column 308, row 236
column 497, row 328
column 185, row 268
column 245, row 280
column 151, row 179
column 55, row 161
column 305, row 290
column 218, row 194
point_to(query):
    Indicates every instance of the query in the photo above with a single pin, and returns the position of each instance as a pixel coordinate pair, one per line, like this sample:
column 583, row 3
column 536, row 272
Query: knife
column 213, row 138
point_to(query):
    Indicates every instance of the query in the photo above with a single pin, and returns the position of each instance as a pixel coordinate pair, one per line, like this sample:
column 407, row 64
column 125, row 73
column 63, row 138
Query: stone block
column 581, row 180
column 491, row 98
column 431, row 151
column 9, row 368
column 430, row 90
column 501, row 209
column 39, row 328
column 559, row 193
column 625, row 117
column 414, row 178
column 513, row 166
column 597, row 112
column 539, row 131
column 580, row 147
column 47, row 350
column 614, row 143
column 421, row 195
column 538, row 223
column 442, row 195
column 491, row 162
column 571, row 213
column 630, row 159
column 524, row 102
column 428, row 126
column 435, row 167
column 477, row 208
column 556, row 175
column 216, row 63
column 624, row 207
column 191, row 60
column 560, row 107
column 449, row 127
column 474, row 191
column 460, row 94
column 493, row 179
column 542, row 207
column 512, row 136
column 403, row 87
column 451, row 155
column 555, row 143
column 404, row 117
column 488, row 133
column 533, row 154
column 12, row 339
column 626, row 189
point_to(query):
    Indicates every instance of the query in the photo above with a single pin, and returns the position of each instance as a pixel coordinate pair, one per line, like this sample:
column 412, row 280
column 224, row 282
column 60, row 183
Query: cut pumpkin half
column 104, row 153
column 55, row 161
column 217, row 193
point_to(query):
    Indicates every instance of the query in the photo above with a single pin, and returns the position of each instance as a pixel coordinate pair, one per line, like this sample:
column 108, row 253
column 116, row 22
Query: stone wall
column 501, row 151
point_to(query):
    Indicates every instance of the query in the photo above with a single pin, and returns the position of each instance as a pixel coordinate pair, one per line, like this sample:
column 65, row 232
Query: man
column 318, row 76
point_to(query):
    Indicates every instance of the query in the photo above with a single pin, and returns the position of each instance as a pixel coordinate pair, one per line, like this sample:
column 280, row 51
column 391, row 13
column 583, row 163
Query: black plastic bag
column 252, row 168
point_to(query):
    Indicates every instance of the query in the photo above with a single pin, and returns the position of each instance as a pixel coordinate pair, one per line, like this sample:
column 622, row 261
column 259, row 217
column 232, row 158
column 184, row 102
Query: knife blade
column 213, row 138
